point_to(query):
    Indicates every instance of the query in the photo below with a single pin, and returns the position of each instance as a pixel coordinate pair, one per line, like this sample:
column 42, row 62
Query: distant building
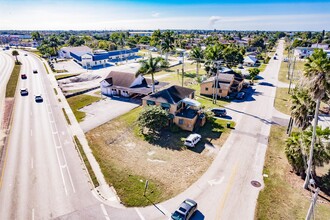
column 141, row 33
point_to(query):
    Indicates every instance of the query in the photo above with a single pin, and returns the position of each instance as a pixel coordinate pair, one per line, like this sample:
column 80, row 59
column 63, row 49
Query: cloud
column 214, row 19
column 155, row 14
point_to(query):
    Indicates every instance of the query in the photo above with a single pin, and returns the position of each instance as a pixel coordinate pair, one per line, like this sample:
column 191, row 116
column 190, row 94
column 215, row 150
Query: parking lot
column 105, row 110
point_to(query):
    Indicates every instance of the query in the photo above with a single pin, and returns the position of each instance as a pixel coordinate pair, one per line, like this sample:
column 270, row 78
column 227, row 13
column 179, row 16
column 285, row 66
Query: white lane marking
column 215, row 181
column 32, row 163
column 106, row 216
column 31, row 132
column 31, row 113
column 139, row 213
column 32, row 214
column 167, row 213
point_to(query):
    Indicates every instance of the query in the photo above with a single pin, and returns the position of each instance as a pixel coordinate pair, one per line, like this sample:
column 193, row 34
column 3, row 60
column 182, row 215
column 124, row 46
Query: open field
column 283, row 196
column 283, row 74
column 282, row 101
column 79, row 101
column 118, row 148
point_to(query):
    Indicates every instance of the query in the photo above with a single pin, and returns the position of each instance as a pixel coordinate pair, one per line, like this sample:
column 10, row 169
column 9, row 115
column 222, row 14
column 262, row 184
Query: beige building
column 184, row 111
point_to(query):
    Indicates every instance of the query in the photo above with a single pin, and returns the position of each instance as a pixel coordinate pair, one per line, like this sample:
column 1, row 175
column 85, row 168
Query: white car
column 192, row 140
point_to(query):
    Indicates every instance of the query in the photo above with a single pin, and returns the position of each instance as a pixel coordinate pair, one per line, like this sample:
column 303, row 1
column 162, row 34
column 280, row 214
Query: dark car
column 23, row 76
column 24, row 92
column 240, row 95
column 185, row 211
column 38, row 98
column 220, row 112
column 35, row 71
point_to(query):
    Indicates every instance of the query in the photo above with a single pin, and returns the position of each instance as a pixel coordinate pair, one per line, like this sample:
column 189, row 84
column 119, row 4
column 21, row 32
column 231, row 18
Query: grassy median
column 12, row 82
column 283, row 196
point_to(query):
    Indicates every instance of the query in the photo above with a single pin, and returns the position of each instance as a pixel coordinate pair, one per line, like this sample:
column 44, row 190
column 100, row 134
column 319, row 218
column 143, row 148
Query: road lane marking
column 215, row 181
column 31, row 163
column 106, row 216
column 227, row 190
column 139, row 213
column 31, row 132
column 32, row 214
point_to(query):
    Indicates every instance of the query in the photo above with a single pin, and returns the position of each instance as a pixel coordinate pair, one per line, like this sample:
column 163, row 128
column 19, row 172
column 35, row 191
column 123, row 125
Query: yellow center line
column 227, row 190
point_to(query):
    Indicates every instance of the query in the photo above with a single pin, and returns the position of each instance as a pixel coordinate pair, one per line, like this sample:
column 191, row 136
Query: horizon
column 111, row 15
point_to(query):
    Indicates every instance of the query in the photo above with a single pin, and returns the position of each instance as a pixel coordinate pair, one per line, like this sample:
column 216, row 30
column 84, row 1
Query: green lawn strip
column 282, row 100
column 12, row 82
column 298, row 71
column 80, row 101
column 66, row 116
column 279, row 199
column 58, row 77
column 46, row 68
column 128, row 185
column 283, row 74
column 86, row 161
column 262, row 67
column 61, row 71
column 55, row 91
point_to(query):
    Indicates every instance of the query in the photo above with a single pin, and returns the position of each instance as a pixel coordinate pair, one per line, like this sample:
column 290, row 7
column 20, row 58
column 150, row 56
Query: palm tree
column 302, row 107
column 54, row 43
column 15, row 54
column 317, row 71
column 197, row 54
column 212, row 55
column 149, row 66
column 167, row 46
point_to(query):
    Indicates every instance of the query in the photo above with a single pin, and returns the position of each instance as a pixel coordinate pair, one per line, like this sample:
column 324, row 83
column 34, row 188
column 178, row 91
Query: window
column 149, row 102
column 181, row 121
column 166, row 106
column 206, row 89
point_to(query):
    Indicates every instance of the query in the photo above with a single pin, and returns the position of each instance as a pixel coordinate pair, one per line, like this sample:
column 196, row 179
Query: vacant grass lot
column 282, row 100
column 80, row 101
column 127, row 160
column 283, row 74
column 12, row 82
column 283, row 196
column 262, row 67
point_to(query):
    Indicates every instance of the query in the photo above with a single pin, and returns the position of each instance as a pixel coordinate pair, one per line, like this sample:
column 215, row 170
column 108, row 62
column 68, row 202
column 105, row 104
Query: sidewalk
column 103, row 192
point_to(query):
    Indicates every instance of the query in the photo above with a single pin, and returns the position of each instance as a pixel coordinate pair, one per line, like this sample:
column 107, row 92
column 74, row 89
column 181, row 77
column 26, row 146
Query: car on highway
column 187, row 209
column 240, row 95
column 25, row 54
column 35, row 71
column 220, row 112
column 38, row 98
column 192, row 140
column 24, row 92
column 23, row 76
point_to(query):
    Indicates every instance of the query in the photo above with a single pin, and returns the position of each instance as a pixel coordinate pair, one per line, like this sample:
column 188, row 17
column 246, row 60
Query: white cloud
column 155, row 14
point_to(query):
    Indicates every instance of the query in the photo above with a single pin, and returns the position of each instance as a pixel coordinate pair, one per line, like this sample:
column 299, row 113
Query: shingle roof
column 122, row 79
column 171, row 95
column 223, row 77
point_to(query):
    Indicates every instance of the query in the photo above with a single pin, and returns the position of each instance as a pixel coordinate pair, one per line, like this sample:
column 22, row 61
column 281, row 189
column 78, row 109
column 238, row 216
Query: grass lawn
column 282, row 100
column 12, row 82
column 283, row 196
column 262, row 67
column 299, row 67
column 58, row 77
column 80, row 101
column 127, row 160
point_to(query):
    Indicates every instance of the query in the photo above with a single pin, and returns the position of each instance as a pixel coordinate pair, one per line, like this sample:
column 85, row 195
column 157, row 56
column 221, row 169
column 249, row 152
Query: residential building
column 250, row 61
column 185, row 112
column 303, row 52
column 322, row 46
column 127, row 85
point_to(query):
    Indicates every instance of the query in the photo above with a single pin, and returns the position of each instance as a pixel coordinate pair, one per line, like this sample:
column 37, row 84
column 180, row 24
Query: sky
column 283, row 15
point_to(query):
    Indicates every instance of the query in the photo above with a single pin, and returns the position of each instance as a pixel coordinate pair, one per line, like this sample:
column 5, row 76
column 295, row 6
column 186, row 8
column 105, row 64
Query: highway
column 43, row 176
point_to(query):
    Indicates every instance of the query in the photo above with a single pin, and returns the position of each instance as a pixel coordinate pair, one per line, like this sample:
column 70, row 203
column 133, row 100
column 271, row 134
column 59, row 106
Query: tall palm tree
column 197, row 54
column 149, row 66
column 15, row 54
column 167, row 46
column 54, row 43
column 317, row 71
column 302, row 107
column 213, row 54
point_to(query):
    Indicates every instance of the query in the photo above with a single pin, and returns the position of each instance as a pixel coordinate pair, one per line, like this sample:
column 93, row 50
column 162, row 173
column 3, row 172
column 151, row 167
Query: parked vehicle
column 38, row 98
column 220, row 112
column 35, row 71
column 275, row 58
column 240, row 95
column 23, row 76
column 187, row 208
column 24, row 92
column 192, row 140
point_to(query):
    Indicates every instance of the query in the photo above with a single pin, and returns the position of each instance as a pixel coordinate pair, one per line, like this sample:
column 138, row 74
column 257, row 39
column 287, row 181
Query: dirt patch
column 9, row 104
column 119, row 149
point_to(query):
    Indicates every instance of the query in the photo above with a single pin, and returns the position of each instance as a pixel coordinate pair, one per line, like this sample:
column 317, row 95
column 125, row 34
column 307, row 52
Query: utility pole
column 312, row 206
column 182, row 68
column 217, row 85
column 292, row 71
column 289, row 63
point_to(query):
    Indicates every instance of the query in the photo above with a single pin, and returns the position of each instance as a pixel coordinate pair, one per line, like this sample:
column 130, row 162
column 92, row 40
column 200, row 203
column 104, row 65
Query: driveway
column 105, row 110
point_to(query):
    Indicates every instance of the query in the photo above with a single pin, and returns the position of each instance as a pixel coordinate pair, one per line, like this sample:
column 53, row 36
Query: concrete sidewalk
column 103, row 192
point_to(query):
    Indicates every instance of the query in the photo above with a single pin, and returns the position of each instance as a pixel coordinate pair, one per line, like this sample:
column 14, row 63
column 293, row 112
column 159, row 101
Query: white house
column 250, row 61
column 303, row 52
column 65, row 52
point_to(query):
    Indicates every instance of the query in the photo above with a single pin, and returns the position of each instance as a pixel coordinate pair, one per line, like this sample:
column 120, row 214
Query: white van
column 192, row 140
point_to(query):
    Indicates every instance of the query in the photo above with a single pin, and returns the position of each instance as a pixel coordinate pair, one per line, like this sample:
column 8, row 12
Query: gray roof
column 79, row 51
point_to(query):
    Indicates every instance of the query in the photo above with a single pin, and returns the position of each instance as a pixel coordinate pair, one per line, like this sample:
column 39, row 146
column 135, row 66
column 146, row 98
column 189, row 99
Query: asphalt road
column 43, row 176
